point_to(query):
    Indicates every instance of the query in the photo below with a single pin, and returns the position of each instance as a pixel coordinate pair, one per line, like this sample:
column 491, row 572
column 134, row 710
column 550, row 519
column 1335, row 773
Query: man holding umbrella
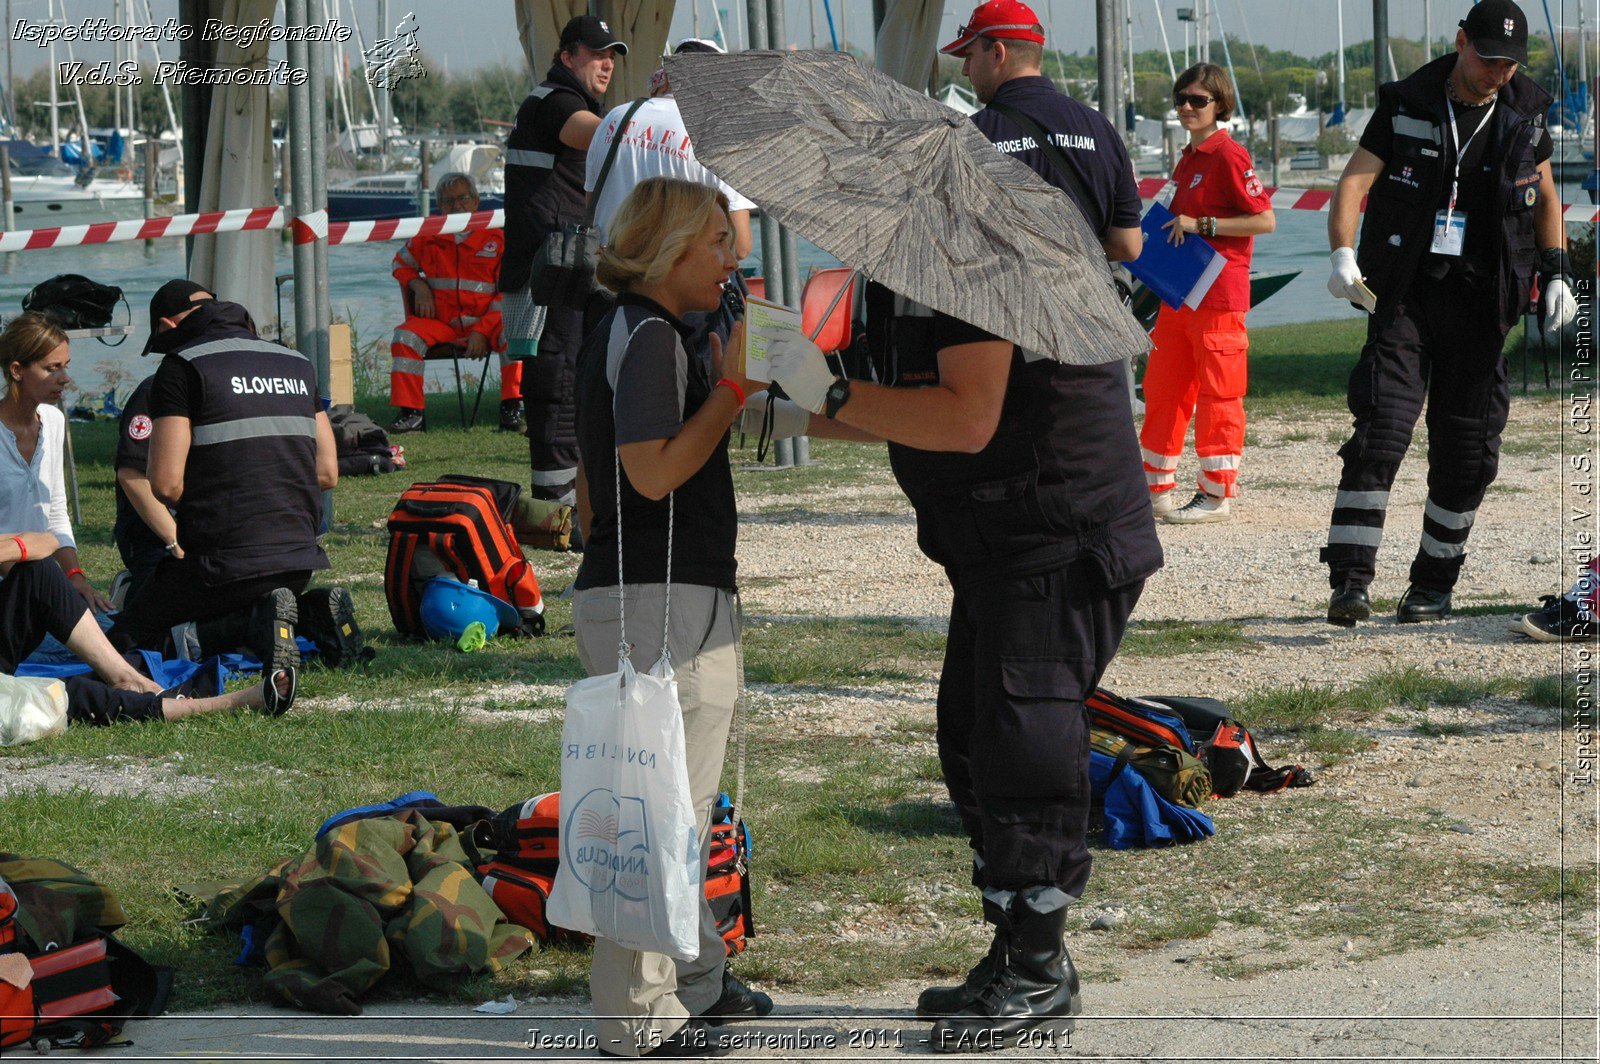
column 1026, row 478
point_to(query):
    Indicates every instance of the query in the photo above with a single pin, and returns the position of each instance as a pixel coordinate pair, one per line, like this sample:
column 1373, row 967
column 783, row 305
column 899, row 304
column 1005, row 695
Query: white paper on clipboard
column 764, row 323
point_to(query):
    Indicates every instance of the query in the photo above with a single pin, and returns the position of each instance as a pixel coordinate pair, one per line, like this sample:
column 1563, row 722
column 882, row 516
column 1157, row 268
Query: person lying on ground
column 36, row 599
column 33, row 498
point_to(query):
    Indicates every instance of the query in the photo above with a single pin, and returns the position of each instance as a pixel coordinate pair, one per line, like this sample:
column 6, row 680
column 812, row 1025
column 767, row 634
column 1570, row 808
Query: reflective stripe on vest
column 539, row 160
column 254, row 428
column 1420, row 128
column 456, row 284
column 242, row 343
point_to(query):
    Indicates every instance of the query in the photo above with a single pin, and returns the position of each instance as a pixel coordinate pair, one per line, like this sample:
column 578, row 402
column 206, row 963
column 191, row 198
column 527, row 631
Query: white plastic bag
column 31, row 708
column 630, row 860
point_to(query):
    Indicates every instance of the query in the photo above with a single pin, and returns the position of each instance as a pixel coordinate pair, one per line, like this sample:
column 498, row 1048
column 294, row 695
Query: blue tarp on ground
column 167, row 673
column 1135, row 815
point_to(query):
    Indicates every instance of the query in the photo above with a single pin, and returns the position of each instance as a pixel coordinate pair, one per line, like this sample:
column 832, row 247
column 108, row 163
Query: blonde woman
column 33, row 498
column 663, row 410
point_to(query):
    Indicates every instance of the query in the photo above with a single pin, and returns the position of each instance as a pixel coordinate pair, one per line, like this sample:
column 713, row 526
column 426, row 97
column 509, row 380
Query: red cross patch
column 139, row 427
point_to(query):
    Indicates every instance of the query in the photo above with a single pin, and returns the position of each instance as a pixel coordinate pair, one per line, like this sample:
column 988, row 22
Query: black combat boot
column 271, row 631
column 328, row 619
column 1350, row 603
column 1422, row 604
column 1033, row 995
column 937, row 1001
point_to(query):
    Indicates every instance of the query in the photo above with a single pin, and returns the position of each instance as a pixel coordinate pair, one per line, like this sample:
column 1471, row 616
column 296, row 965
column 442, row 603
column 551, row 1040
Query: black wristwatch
column 837, row 396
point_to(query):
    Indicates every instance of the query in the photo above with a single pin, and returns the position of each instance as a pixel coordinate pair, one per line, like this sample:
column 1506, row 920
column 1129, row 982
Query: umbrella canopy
column 911, row 193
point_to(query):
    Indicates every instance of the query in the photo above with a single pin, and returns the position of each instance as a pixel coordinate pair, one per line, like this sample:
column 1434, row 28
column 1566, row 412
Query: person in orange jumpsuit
column 450, row 282
column 1198, row 367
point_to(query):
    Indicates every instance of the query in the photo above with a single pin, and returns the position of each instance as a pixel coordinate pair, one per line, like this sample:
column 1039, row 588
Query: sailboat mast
column 55, row 133
column 1340, row 5
column 1166, row 45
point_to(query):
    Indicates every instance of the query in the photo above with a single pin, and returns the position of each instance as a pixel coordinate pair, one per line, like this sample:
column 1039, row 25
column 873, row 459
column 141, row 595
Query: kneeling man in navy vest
column 242, row 450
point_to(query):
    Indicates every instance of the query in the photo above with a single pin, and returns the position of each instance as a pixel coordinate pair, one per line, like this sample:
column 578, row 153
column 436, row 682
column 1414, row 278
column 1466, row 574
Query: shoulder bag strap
column 1057, row 157
column 611, row 157
column 623, row 649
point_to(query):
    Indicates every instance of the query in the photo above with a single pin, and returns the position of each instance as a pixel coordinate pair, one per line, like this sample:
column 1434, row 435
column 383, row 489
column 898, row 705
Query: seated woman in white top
column 33, row 498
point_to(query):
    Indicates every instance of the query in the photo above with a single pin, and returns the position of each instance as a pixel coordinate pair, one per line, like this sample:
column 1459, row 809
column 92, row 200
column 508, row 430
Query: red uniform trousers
column 1198, row 370
column 410, row 345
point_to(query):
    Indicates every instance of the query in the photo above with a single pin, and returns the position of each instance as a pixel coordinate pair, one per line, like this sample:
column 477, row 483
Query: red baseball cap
column 1007, row 19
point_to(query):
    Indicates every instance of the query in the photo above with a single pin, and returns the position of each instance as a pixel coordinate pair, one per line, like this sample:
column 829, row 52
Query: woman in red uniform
column 1197, row 368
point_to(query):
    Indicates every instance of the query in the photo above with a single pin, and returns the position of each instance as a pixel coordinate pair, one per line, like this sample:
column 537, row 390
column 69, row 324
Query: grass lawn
column 860, row 866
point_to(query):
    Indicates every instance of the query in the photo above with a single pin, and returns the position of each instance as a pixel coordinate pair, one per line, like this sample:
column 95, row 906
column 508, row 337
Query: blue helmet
column 448, row 606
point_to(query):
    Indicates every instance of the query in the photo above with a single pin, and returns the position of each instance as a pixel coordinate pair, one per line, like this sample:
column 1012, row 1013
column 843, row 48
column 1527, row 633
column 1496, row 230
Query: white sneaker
column 1164, row 502
column 1199, row 510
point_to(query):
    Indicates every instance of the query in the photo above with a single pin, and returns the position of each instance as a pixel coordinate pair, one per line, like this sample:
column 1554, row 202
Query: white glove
column 1345, row 280
column 788, row 420
column 1558, row 305
column 799, row 368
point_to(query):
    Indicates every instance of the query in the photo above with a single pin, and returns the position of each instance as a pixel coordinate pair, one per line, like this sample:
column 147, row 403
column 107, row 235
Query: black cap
column 1498, row 29
column 172, row 299
column 591, row 31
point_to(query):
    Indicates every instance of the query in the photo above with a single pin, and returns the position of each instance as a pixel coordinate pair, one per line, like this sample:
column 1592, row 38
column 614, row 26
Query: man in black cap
column 241, row 449
column 545, row 156
column 1462, row 213
column 145, row 531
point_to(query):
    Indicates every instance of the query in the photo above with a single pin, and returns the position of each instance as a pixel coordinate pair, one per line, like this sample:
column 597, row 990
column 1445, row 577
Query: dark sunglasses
column 1193, row 99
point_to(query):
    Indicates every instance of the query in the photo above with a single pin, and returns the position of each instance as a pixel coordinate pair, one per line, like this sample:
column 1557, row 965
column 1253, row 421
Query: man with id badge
column 1462, row 213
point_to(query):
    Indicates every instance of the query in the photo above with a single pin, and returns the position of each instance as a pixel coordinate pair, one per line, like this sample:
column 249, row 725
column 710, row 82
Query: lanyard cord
column 1455, row 178
column 623, row 649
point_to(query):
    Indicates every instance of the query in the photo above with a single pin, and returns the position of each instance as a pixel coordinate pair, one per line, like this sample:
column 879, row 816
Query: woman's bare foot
column 273, row 695
column 278, row 691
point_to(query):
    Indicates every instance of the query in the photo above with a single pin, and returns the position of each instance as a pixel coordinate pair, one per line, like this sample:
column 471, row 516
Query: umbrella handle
column 854, row 275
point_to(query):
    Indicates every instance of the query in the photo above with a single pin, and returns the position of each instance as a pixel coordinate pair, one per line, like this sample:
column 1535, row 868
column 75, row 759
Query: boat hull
column 37, row 203
column 358, row 206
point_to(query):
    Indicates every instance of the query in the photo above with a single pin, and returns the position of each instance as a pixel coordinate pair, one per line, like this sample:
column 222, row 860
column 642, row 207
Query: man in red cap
column 1002, row 49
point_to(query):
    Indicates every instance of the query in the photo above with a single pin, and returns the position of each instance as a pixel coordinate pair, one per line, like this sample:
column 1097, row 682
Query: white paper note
column 765, row 322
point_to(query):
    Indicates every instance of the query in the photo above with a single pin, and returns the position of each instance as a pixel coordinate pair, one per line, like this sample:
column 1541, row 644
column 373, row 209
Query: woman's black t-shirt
column 638, row 381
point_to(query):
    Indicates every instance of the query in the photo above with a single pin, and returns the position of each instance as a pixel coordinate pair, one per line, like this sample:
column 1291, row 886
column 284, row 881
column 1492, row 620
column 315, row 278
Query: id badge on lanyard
column 1450, row 225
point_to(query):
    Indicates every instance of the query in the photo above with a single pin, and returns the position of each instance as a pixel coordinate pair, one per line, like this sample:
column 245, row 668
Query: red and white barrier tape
column 305, row 228
column 406, row 228
column 145, row 229
column 310, row 227
column 1317, row 199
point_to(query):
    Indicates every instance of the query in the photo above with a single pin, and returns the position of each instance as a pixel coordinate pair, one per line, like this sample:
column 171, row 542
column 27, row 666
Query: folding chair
column 455, row 355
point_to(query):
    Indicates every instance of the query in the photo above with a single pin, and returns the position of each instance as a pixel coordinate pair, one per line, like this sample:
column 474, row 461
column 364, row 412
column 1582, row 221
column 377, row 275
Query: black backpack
column 73, row 301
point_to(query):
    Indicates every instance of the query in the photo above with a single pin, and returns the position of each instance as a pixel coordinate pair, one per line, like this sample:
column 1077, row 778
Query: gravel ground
column 1259, row 569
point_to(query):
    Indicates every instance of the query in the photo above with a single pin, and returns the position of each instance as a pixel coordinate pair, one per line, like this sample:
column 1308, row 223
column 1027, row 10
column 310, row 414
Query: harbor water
column 363, row 292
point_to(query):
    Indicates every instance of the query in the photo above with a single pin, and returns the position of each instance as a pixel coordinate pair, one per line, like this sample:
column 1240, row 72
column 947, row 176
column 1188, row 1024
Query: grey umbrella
column 908, row 191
